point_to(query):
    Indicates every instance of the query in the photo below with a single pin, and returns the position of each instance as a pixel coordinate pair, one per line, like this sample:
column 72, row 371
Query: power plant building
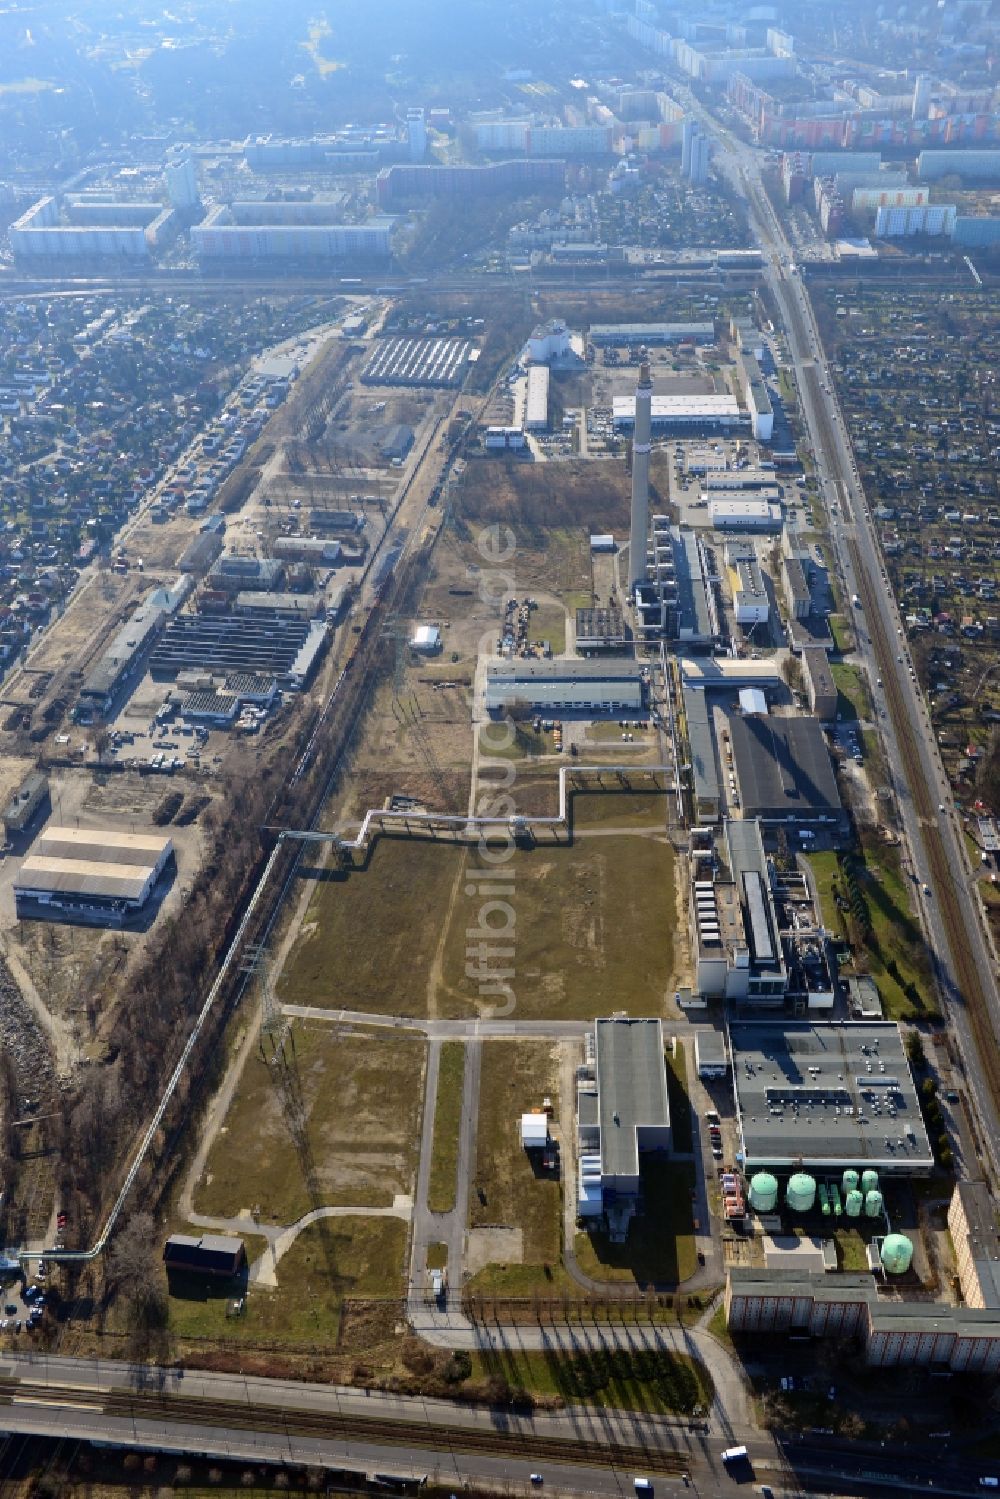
column 623, row 1114
column 823, row 1097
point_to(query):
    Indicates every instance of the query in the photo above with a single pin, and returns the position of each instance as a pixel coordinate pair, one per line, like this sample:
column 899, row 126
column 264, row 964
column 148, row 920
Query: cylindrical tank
column 869, row 1181
column 824, row 1200
column 763, row 1192
column 897, row 1252
column 873, row 1204
column 835, row 1199
column 800, row 1194
column 849, row 1181
column 854, row 1202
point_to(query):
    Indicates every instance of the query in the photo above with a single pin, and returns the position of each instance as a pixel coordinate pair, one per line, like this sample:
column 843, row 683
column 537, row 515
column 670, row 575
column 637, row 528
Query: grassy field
column 623, row 809
column 589, row 920
column 337, row 1123
column 447, row 1117
column 660, row 1248
column 853, row 700
column 330, row 1261
column 584, row 921
column 895, row 955
column 680, row 1102
column 655, row 1383
column 516, row 1075
column 842, row 632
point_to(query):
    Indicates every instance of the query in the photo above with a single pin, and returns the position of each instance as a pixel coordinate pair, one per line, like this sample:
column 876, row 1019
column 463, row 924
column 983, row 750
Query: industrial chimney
column 640, row 477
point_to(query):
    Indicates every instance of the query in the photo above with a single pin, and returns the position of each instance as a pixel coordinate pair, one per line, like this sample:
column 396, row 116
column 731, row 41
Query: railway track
column 239, row 1415
column 970, row 991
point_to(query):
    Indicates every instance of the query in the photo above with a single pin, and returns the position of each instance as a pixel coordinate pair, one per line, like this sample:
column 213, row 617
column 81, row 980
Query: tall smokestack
column 640, row 476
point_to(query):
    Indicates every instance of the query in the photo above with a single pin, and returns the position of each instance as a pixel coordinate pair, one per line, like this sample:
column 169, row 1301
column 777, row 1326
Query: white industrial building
column 100, row 876
column 536, row 401
column 575, row 686
column 756, row 396
column 716, row 412
column 750, row 514
column 750, row 602
column 550, row 341
column 632, row 335
column 426, row 639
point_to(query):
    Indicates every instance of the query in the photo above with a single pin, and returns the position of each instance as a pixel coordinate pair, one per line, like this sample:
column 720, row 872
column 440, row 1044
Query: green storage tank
column 800, row 1194
column 835, row 1199
column 824, row 1200
column 869, row 1181
column 897, row 1254
column 854, row 1202
column 849, row 1181
column 873, row 1204
column 763, row 1192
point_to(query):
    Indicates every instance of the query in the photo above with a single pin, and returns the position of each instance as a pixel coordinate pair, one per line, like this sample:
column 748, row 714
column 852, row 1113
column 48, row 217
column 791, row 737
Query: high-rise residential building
column 181, row 181
column 416, row 134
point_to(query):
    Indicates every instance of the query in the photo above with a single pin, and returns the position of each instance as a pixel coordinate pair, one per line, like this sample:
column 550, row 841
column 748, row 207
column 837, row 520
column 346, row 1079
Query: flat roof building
column 211, row 1254
column 797, row 593
column 821, row 689
column 681, row 413
column 631, row 1114
column 631, row 335
column 784, row 771
column 972, row 1219
column 576, row 686
column 31, row 795
column 756, row 396
column 536, row 404
column 601, row 630
column 710, row 1054
column 824, row 1096
column 731, row 512
column 701, row 753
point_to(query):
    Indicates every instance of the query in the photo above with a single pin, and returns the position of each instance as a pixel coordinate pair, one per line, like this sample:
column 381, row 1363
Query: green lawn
column 660, row 1248
column 655, row 1383
column 549, row 623
column 853, row 699
column 825, row 868
column 447, row 1118
column 336, row 1123
column 842, row 632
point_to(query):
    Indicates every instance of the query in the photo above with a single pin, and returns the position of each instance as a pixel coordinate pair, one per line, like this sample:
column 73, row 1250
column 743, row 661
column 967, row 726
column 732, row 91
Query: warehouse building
column 122, row 660
column 325, row 521
column 320, row 551
column 233, row 574
column 536, row 403
column 702, row 757
column 623, row 1114
column 784, row 772
column 218, row 1255
column 286, row 649
column 821, row 689
column 418, row 361
column 580, row 687
column 633, row 335
column 892, row 1333
column 972, row 1220
column 822, row 1097
column 102, row 877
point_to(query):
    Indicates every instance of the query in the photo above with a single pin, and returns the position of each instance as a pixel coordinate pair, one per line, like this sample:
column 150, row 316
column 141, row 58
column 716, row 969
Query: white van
column 642, row 1485
column 735, row 1455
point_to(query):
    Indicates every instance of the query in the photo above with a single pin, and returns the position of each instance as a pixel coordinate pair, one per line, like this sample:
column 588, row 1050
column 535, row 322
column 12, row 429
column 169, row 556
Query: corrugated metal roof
column 102, row 846
column 83, row 877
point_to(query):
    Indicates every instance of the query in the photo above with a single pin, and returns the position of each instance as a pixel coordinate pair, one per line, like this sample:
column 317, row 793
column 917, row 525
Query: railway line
column 241, row 1416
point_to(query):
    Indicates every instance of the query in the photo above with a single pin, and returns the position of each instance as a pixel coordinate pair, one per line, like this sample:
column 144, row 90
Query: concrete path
column 472, row 1029
column 264, row 1270
column 445, row 1228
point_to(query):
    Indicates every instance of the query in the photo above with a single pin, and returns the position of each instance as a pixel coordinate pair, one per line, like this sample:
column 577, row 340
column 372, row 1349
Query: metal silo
column 897, row 1253
column 763, row 1192
column 873, row 1204
column 849, row 1180
column 800, row 1194
column 853, row 1203
column 869, row 1181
